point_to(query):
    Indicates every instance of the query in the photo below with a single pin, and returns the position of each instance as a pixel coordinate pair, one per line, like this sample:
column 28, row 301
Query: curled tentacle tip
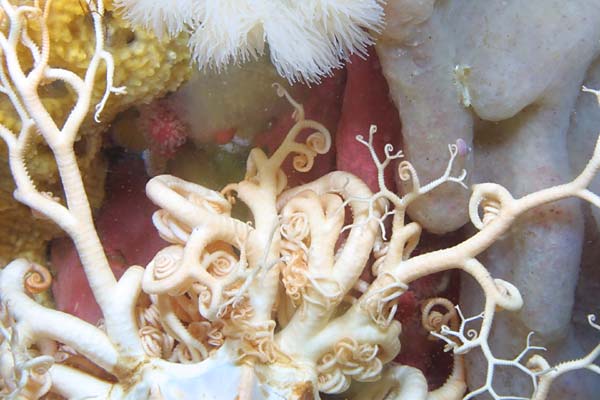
column 302, row 162
column 592, row 321
column 38, row 279
column 280, row 90
column 510, row 297
column 453, row 150
column 319, row 141
column 165, row 272
column 492, row 197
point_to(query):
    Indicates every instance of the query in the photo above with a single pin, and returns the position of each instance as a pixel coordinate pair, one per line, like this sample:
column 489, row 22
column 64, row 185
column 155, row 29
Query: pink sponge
column 366, row 102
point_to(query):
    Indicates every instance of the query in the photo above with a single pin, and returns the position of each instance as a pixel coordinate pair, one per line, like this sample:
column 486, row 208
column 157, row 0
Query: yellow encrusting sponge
column 146, row 66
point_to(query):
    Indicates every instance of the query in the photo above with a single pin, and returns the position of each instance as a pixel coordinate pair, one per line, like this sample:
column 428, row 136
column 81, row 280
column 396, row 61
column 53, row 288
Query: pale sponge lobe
column 307, row 39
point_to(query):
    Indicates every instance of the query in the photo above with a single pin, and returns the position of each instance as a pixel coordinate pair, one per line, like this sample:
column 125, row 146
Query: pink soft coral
column 164, row 130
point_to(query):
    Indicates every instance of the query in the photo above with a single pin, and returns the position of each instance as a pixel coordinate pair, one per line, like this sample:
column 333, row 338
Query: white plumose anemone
column 164, row 18
column 307, row 39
